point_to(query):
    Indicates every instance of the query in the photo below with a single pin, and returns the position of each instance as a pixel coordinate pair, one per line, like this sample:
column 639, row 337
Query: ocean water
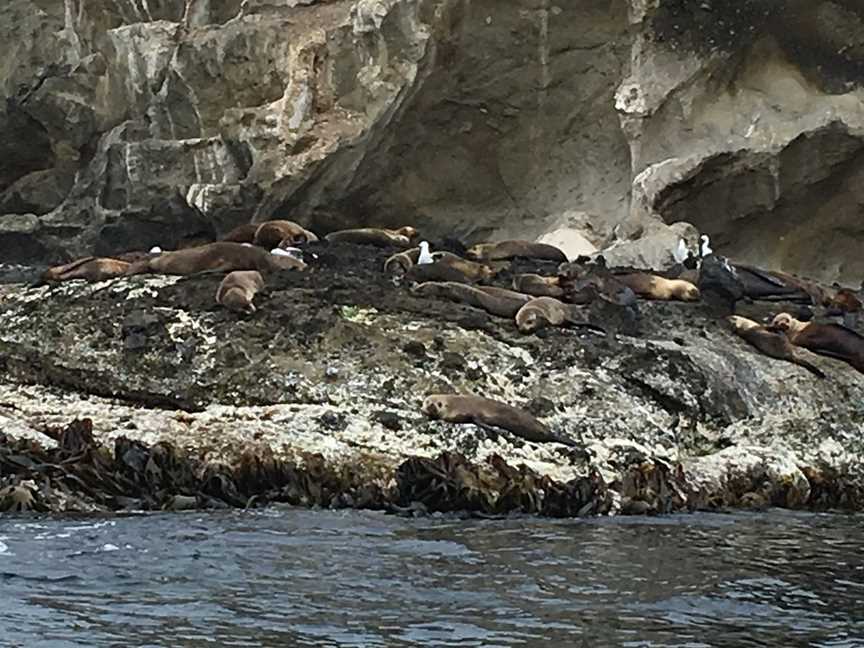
column 295, row 577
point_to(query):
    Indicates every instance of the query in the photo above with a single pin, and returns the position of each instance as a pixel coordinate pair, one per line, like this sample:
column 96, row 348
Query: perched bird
column 705, row 249
column 156, row 250
column 425, row 255
column 681, row 252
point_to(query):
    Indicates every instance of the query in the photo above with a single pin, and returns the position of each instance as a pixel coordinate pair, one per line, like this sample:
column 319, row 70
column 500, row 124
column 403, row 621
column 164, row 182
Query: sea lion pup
column 89, row 268
column 281, row 233
column 541, row 312
column 515, row 248
column 374, row 236
column 656, row 287
column 219, row 257
column 538, row 285
column 830, row 340
column 771, row 343
column 496, row 301
column 237, row 290
column 456, row 408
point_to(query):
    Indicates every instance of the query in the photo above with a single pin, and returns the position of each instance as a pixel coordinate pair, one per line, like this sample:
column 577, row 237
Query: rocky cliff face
column 128, row 123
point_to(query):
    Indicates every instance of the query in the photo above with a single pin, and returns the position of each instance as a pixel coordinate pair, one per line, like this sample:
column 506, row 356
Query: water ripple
column 304, row 578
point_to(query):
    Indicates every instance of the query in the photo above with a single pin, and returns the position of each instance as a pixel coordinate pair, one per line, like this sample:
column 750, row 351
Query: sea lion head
column 529, row 320
column 407, row 231
column 690, row 293
column 476, row 252
column 782, row 322
column 434, row 406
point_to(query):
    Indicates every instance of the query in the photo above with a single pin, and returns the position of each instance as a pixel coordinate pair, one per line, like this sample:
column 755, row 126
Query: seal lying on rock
column 282, row 233
column 497, row 301
column 374, row 236
column 238, row 288
column 219, row 257
column 242, row 233
column 548, row 311
column 831, row 340
column 538, row 285
column 515, row 248
column 655, row 287
column 89, row 268
column 768, row 286
column 456, row 408
column 772, row 343
column 445, row 266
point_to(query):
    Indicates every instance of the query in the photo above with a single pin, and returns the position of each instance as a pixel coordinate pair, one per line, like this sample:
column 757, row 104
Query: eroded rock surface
column 130, row 124
column 337, row 360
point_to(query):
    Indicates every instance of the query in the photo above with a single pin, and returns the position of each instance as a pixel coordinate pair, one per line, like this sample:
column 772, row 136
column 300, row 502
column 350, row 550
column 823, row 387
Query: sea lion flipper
column 801, row 362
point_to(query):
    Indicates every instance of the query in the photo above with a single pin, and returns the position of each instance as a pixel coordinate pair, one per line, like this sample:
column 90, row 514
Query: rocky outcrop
column 336, row 362
column 128, row 124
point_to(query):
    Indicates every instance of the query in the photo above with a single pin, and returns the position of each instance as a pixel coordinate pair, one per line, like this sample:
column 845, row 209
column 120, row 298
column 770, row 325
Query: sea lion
column 445, row 266
column 238, row 288
column 281, row 233
column 772, row 343
column 401, row 262
column 830, row 340
column 457, row 408
column 538, row 285
column 374, row 236
column 768, row 286
column 220, row 257
column 497, row 301
column 242, row 233
column 656, row 287
column 450, row 267
column 515, row 248
column 541, row 312
column 89, row 268
column 844, row 302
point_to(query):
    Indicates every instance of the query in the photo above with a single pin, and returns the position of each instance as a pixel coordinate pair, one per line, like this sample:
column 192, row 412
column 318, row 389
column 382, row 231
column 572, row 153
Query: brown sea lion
column 446, row 266
column 831, row 340
column 656, row 287
column 238, row 289
column 497, row 301
column 457, row 408
column 281, row 233
column 242, row 233
column 515, row 248
column 846, row 303
column 772, row 343
column 541, row 312
column 402, row 262
column 89, row 268
column 538, row 285
column 374, row 236
column 220, row 257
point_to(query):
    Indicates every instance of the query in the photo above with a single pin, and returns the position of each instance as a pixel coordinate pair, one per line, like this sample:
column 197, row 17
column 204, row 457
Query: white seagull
column 425, row 255
column 681, row 252
column 705, row 249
